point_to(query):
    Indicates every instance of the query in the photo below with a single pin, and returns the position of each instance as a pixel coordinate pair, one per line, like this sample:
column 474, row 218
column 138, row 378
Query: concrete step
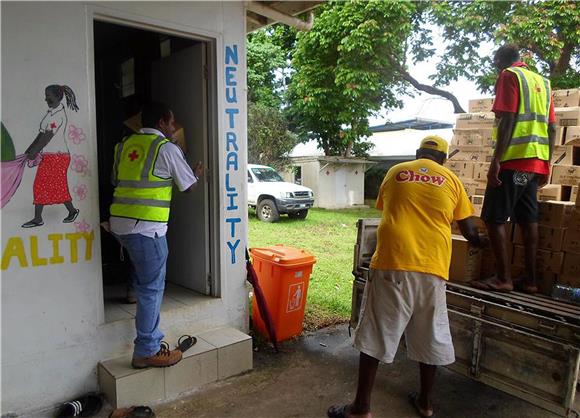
column 218, row 354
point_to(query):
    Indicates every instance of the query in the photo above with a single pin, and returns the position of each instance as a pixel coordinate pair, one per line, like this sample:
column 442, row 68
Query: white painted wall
column 53, row 330
column 335, row 185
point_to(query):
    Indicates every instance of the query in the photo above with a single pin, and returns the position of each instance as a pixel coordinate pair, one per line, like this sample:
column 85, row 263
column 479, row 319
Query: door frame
column 213, row 41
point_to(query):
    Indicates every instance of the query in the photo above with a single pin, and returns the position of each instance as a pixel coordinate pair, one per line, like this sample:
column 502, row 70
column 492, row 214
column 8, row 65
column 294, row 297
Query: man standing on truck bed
column 524, row 138
column 405, row 291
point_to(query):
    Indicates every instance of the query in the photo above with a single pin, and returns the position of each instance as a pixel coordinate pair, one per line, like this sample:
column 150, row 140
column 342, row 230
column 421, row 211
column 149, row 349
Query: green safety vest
column 139, row 194
column 530, row 135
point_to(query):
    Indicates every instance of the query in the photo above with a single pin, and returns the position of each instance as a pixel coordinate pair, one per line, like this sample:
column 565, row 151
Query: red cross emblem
column 133, row 155
column 52, row 125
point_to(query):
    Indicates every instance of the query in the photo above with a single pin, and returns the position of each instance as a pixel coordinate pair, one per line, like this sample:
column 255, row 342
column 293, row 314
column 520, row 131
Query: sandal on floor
column 185, row 342
column 414, row 401
column 133, row 412
column 337, row 411
column 85, row 406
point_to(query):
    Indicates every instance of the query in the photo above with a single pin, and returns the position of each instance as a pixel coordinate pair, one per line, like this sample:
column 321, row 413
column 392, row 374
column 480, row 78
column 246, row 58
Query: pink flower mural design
column 81, row 191
column 80, row 164
column 82, row 226
column 76, row 134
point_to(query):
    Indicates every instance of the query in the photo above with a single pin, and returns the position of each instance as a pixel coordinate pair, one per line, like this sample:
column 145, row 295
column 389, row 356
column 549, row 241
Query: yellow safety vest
column 139, row 194
column 530, row 135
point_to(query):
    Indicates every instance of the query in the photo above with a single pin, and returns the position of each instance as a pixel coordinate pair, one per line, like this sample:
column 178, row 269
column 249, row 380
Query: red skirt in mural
column 51, row 184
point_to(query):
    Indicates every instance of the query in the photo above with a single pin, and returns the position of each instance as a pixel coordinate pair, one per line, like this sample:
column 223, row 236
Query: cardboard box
column 546, row 261
column 134, row 123
column 478, row 137
column 480, row 105
column 566, row 98
column 465, row 260
column 567, row 175
column 474, row 187
column 550, row 192
column 477, row 202
column 571, row 270
column 555, row 214
column 574, row 195
column 482, row 120
column 480, row 171
column 471, row 153
column 549, row 238
column 572, row 136
column 562, row 155
column 567, row 116
column 462, row 169
column 572, row 239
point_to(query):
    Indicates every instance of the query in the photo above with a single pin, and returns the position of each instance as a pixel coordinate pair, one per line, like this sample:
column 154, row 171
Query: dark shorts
column 516, row 198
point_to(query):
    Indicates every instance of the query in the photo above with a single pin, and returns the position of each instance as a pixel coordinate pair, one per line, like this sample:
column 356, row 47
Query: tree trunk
column 564, row 62
column 428, row 89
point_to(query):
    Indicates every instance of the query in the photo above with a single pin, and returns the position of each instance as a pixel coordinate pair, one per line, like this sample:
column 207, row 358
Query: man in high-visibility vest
column 524, row 139
column 146, row 166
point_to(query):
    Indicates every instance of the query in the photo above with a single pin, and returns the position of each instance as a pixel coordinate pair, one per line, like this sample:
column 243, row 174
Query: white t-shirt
column 170, row 164
column 55, row 121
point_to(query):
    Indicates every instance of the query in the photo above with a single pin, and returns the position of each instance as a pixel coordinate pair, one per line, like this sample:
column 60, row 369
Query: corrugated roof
column 420, row 124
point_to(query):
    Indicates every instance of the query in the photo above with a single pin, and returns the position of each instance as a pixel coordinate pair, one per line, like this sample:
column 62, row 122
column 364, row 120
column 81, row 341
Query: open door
column 180, row 81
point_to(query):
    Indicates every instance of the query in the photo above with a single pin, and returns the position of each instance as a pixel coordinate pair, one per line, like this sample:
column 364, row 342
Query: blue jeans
column 149, row 259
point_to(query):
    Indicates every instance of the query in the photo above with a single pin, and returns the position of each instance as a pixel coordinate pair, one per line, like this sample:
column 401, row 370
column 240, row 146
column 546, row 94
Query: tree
column 265, row 59
column 546, row 32
column 344, row 71
column 269, row 140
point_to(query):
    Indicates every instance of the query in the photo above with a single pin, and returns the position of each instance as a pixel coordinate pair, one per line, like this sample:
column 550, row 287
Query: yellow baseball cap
column 436, row 143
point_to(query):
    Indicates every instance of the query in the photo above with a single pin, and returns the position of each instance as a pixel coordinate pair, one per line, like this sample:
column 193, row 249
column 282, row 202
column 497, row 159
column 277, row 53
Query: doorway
column 134, row 66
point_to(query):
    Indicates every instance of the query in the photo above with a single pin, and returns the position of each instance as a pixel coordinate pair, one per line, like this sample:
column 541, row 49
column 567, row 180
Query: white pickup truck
column 271, row 196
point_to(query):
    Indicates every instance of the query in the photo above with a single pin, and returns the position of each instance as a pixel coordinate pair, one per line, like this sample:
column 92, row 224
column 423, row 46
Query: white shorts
column 397, row 302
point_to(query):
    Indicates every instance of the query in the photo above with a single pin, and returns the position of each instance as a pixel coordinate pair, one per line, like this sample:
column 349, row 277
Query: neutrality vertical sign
column 232, row 109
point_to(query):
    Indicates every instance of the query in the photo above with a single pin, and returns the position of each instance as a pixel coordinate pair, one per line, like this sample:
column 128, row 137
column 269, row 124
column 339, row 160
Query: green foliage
column 264, row 59
column 7, row 146
column 547, row 33
column 330, row 289
column 269, row 140
column 344, row 72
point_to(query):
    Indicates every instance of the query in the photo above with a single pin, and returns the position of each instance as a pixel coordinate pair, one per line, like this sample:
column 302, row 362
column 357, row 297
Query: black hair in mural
column 64, row 91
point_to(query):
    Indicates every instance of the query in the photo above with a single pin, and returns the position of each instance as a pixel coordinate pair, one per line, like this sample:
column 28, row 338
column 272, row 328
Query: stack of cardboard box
column 566, row 159
column 470, row 153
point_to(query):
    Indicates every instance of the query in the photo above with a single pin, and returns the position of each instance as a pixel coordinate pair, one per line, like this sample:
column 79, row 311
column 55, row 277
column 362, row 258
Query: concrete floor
column 320, row 369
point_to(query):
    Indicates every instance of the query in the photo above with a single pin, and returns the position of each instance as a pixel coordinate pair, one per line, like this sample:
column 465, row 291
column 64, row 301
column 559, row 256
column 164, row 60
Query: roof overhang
column 264, row 13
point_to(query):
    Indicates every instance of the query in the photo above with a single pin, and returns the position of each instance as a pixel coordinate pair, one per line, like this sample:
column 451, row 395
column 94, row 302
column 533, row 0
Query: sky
column 429, row 106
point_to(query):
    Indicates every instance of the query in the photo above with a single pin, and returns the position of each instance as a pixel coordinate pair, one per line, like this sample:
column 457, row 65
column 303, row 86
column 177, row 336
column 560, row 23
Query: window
column 266, row 174
column 250, row 179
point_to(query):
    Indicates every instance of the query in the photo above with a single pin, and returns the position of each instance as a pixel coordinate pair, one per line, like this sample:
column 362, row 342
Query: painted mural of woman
column 51, row 182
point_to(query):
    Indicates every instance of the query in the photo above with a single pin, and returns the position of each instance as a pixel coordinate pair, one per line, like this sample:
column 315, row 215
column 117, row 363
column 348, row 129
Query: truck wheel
column 301, row 214
column 267, row 211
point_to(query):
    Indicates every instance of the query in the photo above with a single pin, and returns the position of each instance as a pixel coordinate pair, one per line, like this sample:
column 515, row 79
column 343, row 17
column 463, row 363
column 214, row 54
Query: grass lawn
column 329, row 235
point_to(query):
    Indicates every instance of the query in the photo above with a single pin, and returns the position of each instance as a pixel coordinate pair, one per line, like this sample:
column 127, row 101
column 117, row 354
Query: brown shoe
column 164, row 358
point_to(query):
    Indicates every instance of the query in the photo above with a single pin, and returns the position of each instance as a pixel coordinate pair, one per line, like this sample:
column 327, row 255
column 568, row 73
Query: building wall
column 310, row 178
column 53, row 330
column 340, row 185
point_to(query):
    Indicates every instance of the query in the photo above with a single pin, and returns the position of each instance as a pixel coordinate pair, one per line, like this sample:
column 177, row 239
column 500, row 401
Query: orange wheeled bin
column 283, row 274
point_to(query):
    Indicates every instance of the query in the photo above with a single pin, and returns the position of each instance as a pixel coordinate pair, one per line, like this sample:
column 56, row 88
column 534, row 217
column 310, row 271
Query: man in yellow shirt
column 405, row 292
